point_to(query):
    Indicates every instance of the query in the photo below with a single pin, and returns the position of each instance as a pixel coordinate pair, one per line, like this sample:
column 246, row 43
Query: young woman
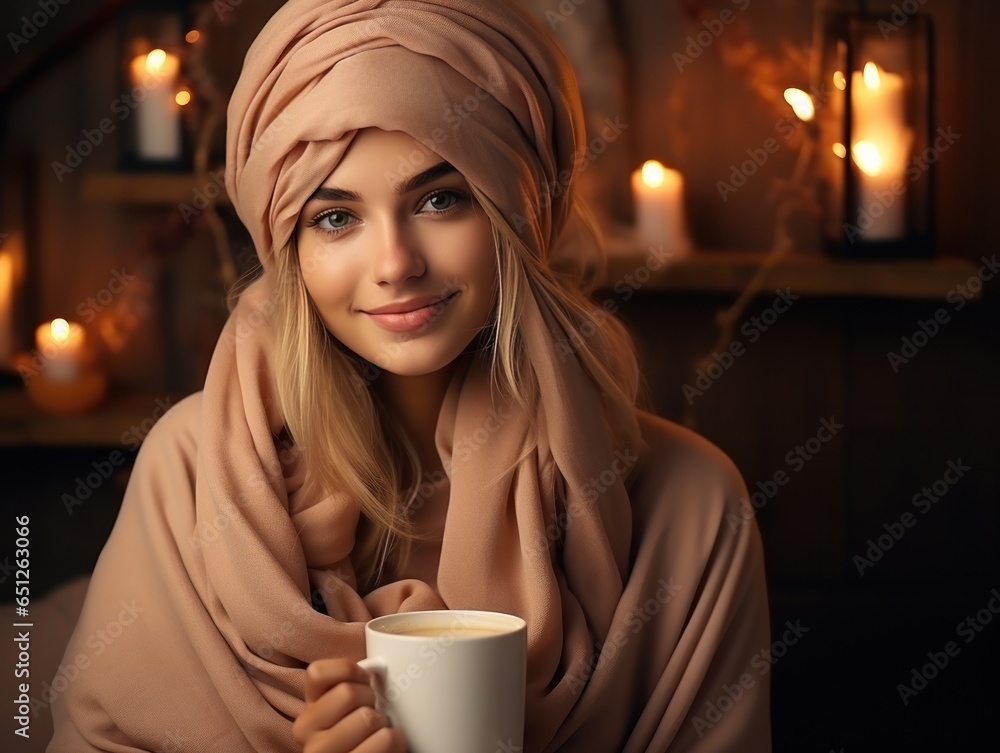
column 415, row 407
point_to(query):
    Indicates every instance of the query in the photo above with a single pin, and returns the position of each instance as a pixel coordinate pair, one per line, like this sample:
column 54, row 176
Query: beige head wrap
column 628, row 591
column 475, row 82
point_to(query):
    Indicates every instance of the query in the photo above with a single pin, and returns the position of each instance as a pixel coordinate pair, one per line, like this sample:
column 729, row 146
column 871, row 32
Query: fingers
column 332, row 707
column 323, row 674
column 364, row 729
column 339, row 716
column 386, row 740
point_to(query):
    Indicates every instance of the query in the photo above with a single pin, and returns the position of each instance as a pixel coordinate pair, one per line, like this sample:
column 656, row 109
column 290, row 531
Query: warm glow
column 801, row 103
column 840, row 150
column 653, row 174
column 192, row 36
column 868, row 157
column 155, row 61
column 67, row 339
column 872, row 78
column 840, row 80
column 60, row 330
column 183, row 97
column 6, row 281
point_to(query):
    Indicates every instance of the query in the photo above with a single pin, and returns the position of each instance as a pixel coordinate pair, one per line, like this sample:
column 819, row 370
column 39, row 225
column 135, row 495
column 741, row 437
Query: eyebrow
column 323, row 193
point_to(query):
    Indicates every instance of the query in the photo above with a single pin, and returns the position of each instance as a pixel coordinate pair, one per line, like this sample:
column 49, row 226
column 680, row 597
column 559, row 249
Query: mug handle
column 380, row 670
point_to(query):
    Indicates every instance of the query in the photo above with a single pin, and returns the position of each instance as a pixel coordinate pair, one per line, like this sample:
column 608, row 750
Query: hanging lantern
column 876, row 145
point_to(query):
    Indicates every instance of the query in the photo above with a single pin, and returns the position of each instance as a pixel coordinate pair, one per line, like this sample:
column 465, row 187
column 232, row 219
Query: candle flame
column 653, row 174
column 801, row 103
column 183, row 97
column 840, row 80
column 873, row 79
column 155, row 61
column 868, row 158
column 840, row 150
column 60, row 330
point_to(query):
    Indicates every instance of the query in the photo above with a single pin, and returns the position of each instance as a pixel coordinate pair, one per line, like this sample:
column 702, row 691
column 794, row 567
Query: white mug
column 453, row 681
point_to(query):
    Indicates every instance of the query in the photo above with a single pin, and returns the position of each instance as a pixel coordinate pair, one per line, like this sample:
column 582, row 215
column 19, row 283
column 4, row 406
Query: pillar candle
column 658, row 193
column 881, row 145
column 62, row 346
column 158, row 129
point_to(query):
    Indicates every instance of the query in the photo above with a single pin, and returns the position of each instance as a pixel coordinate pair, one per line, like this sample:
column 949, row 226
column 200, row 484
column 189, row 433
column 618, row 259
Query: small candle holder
column 155, row 96
column 876, row 148
column 61, row 374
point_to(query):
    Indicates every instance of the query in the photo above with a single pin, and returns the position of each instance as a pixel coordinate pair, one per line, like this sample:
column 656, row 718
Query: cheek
column 485, row 260
column 327, row 278
column 472, row 254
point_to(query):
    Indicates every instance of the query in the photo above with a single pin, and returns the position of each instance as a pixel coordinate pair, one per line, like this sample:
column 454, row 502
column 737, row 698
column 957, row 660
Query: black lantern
column 155, row 95
column 876, row 148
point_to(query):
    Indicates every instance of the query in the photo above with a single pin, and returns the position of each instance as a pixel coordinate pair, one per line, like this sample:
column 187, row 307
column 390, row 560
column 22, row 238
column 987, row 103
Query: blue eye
column 444, row 200
column 332, row 222
column 335, row 220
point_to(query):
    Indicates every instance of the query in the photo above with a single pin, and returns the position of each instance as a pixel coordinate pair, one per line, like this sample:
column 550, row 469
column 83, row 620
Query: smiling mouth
column 407, row 321
column 431, row 305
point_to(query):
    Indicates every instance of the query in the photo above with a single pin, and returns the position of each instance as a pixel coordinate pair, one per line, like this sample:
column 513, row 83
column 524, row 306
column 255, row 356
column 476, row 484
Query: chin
column 414, row 364
column 415, row 358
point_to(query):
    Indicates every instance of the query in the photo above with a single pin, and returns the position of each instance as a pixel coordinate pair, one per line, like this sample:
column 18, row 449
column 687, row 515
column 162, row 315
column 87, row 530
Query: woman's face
column 397, row 256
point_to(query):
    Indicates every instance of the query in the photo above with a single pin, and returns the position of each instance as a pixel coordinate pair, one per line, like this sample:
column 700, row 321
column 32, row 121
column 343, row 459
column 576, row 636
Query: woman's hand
column 340, row 716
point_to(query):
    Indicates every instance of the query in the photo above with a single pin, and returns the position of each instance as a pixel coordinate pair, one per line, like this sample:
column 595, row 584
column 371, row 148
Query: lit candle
column 6, row 308
column 159, row 123
column 60, row 375
column 62, row 347
column 881, row 145
column 658, row 193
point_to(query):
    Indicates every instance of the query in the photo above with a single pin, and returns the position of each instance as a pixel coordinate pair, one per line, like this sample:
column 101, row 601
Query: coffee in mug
column 432, row 631
column 453, row 681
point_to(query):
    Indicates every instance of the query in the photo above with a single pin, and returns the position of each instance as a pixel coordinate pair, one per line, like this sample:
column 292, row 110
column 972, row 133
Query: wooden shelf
column 151, row 188
column 731, row 271
column 22, row 424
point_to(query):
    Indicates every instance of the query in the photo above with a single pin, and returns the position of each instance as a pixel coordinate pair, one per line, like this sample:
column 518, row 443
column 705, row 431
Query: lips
column 407, row 316
column 402, row 307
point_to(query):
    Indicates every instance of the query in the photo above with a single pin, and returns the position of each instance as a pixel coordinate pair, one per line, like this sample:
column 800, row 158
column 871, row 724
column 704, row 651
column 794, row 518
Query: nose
column 398, row 256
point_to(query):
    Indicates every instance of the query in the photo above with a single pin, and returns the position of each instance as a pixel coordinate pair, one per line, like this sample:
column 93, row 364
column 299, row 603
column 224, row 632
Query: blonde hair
column 351, row 446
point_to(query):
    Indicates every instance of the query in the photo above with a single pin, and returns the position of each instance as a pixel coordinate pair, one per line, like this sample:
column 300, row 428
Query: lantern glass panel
column 876, row 168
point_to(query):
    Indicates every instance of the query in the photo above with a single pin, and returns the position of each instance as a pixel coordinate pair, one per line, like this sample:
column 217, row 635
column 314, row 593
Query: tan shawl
column 644, row 600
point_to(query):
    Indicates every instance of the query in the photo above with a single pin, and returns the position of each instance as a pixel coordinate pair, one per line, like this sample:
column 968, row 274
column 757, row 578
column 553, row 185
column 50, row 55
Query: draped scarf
column 237, row 569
